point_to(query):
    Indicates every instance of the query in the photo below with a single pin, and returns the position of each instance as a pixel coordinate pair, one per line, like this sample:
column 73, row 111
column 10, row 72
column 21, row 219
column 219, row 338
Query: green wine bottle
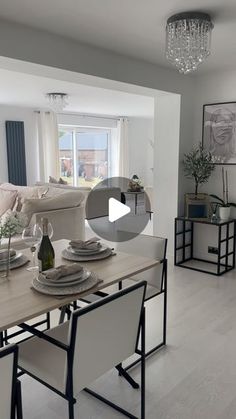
column 46, row 254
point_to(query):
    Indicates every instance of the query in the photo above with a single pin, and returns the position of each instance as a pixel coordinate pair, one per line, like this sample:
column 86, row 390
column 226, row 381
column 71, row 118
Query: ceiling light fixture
column 188, row 40
column 57, row 101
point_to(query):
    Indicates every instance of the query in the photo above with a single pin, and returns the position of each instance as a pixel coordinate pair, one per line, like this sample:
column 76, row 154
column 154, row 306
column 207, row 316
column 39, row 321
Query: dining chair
column 97, row 338
column 156, row 277
column 10, row 388
column 153, row 247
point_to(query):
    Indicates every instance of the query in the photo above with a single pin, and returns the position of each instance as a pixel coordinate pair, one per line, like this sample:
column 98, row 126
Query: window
column 84, row 155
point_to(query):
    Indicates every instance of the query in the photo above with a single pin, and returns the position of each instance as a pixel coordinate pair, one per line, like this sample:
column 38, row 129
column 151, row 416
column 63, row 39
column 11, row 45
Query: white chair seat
column 48, row 366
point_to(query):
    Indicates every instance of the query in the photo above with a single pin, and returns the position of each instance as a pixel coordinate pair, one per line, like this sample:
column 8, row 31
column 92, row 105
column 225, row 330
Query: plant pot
column 224, row 213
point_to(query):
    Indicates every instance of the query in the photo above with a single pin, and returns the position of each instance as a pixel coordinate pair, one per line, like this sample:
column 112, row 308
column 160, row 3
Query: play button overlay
column 115, row 212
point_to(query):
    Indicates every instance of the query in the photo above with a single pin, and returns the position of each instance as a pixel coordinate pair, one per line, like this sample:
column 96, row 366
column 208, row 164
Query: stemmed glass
column 214, row 206
column 32, row 236
column 50, row 230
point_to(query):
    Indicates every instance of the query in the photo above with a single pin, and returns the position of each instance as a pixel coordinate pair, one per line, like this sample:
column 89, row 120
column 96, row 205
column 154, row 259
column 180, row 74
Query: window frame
column 75, row 129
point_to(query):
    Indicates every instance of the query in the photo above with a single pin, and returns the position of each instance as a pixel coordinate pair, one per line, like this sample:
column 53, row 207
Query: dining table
column 20, row 303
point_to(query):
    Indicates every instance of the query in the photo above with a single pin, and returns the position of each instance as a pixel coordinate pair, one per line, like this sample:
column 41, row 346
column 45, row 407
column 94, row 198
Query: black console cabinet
column 184, row 248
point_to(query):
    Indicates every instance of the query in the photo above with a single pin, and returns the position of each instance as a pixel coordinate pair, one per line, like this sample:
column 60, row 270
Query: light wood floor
column 194, row 377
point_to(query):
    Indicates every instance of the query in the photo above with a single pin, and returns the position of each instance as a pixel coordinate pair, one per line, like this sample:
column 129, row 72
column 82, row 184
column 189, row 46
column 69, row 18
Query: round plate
column 16, row 263
column 12, row 259
column 85, row 252
column 86, row 258
column 68, row 280
column 73, row 289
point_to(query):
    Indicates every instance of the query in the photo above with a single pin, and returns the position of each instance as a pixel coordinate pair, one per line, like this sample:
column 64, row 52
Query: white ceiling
column 132, row 27
column 19, row 89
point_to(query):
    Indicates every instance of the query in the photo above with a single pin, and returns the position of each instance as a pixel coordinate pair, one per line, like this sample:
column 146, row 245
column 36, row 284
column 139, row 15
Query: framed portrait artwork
column 219, row 131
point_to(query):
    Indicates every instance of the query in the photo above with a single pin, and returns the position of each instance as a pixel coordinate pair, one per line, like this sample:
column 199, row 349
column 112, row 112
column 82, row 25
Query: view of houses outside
column 83, row 156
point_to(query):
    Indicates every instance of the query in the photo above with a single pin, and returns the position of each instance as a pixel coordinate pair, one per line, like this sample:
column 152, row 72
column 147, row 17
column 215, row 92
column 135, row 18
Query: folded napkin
column 62, row 270
column 3, row 253
column 92, row 244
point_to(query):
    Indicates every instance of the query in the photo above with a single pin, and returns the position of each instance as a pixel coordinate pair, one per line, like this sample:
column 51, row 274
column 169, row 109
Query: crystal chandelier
column 57, row 101
column 188, row 40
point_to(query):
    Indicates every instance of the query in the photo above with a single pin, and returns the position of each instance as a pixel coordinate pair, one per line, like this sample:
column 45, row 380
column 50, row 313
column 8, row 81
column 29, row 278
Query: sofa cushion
column 7, row 200
column 52, row 179
column 85, row 189
column 60, row 181
column 23, row 192
column 60, row 201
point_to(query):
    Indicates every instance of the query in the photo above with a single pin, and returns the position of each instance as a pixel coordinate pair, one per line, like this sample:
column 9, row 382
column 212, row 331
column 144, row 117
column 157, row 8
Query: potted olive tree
column 198, row 166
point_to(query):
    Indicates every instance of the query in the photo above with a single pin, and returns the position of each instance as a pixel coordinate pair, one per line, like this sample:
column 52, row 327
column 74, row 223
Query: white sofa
column 98, row 201
column 64, row 209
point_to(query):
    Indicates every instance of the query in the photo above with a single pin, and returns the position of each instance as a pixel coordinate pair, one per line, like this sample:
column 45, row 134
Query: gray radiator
column 15, row 136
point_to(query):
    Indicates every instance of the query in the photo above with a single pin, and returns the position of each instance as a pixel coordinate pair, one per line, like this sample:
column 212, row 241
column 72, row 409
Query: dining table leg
column 65, row 310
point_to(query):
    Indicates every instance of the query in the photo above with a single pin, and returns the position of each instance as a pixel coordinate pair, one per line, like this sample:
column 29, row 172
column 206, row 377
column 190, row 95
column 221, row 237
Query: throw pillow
column 23, row 192
column 7, row 200
column 62, row 182
column 57, row 202
column 52, row 180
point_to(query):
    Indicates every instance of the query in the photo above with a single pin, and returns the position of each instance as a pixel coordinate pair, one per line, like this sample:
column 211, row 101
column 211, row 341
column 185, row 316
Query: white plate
column 16, row 263
column 62, row 291
column 87, row 251
column 12, row 259
column 66, row 281
column 86, row 258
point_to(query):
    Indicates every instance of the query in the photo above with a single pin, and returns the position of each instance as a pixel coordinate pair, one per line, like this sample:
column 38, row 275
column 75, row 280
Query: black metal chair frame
column 5, row 336
column 164, row 328
column 71, row 348
column 162, row 291
column 16, row 400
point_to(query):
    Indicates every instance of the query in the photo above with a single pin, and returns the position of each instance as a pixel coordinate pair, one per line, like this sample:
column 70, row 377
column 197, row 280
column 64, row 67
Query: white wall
column 166, row 167
column 27, row 116
column 35, row 46
column 141, row 132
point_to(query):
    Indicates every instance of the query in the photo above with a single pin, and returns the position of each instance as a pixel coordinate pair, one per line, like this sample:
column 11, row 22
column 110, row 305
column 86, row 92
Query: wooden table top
column 19, row 302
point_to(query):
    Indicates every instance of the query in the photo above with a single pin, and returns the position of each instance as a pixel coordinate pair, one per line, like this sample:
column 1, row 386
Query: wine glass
column 32, row 236
column 214, row 206
column 50, row 230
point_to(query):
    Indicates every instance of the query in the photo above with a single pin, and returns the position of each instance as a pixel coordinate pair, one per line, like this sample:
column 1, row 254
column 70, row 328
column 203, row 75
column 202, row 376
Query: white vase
column 224, row 213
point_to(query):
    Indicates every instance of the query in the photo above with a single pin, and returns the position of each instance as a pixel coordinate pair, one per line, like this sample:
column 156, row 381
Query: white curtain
column 47, row 134
column 123, row 148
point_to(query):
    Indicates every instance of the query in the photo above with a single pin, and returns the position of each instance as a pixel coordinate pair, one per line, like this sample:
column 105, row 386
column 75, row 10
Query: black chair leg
column 19, row 409
column 71, row 409
column 143, row 357
column 165, row 308
column 1, row 339
column 48, row 321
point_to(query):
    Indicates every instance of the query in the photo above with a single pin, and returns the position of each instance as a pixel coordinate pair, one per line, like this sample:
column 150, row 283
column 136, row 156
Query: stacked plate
column 86, row 255
column 71, row 284
column 16, row 261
